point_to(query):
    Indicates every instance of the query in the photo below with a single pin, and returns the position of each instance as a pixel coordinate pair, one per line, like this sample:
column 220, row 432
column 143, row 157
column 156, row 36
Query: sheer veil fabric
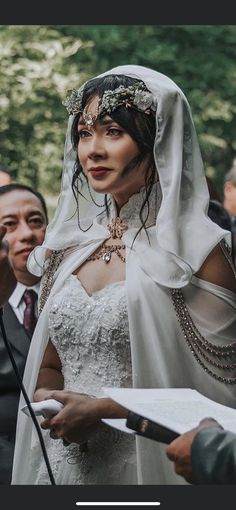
column 181, row 239
column 182, row 219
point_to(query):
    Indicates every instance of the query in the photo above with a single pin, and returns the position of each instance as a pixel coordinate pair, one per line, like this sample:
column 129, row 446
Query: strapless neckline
column 100, row 291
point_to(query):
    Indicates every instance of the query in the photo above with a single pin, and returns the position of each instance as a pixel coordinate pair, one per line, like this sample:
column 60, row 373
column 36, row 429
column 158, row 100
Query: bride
column 138, row 287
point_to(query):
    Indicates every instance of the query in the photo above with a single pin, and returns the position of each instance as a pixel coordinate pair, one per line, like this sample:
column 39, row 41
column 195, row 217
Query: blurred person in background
column 216, row 210
column 229, row 202
column 23, row 219
column 5, row 176
column 230, row 190
column 7, row 276
column 218, row 213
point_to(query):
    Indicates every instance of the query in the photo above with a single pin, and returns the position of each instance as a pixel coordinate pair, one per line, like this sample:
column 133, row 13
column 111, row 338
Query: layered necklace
column 116, row 228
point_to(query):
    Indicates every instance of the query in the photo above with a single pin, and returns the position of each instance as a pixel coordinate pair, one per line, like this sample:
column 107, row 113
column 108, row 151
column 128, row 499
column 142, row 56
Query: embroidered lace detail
column 47, row 279
column 221, row 359
column 91, row 336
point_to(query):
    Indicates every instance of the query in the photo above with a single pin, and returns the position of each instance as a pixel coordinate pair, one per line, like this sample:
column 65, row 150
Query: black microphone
column 27, row 400
column 150, row 429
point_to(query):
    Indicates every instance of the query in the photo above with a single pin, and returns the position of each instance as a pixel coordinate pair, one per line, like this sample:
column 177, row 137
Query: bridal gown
column 138, row 333
column 91, row 336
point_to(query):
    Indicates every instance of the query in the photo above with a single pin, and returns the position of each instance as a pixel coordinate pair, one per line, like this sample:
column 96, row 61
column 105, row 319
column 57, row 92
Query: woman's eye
column 114, row 131
column 83, row 133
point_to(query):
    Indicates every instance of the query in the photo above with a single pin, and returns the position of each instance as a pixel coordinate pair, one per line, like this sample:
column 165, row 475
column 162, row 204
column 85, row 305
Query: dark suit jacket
column 9, row 390
column 214, row 457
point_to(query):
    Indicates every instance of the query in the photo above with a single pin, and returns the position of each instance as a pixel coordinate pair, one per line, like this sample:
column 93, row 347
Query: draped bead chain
column 216, row 360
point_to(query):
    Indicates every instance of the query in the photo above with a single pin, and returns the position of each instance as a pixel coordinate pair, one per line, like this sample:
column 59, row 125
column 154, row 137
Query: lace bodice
column 91, row 336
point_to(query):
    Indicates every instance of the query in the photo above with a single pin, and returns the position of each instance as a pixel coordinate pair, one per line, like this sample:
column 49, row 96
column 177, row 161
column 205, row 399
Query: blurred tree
column 39, row 63
column 35, row 72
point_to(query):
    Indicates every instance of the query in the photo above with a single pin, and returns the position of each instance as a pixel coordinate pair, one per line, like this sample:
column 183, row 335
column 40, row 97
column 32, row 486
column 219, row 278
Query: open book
column 163, row 414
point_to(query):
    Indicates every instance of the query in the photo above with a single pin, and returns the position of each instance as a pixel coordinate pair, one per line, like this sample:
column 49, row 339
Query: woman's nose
column 97, row 148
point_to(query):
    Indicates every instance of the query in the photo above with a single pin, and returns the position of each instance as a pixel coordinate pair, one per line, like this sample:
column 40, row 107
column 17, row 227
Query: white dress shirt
column 17, row 302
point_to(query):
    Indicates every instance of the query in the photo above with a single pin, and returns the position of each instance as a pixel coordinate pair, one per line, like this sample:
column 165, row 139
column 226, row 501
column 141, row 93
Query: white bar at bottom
column 118, row 503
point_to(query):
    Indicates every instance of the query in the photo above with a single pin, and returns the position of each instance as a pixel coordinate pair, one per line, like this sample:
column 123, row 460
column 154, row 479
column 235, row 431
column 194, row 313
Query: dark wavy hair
column 140, row 126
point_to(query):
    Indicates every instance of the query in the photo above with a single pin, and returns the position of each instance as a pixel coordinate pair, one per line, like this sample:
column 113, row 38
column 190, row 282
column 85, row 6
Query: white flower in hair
column 142, row 100
column 73, row 101
column 135, row 96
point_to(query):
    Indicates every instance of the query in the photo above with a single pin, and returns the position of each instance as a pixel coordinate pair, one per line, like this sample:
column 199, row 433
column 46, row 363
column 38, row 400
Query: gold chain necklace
column 116, row 228
column 106, row 252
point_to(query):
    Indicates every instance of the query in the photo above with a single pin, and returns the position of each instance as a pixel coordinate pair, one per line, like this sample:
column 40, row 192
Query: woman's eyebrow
column 105, row 121
column 81, row 122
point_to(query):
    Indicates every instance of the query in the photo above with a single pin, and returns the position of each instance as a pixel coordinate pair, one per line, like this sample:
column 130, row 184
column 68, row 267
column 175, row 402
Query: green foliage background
column 38, row 64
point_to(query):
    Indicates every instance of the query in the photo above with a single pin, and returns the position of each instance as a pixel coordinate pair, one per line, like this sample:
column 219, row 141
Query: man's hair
column 231, row 174
column 18, row 187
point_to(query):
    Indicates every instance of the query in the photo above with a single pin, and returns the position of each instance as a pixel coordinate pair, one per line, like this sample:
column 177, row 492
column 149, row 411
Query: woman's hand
column 81, row 415
column 42, row 394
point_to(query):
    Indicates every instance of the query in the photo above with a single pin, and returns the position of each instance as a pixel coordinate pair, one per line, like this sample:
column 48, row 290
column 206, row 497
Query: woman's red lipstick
column 99, row 171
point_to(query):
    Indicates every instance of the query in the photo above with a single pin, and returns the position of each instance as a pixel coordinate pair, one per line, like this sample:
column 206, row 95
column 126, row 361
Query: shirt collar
column 17, row 295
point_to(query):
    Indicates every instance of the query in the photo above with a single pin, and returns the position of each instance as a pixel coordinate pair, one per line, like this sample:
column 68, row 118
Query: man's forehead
column 12, row 201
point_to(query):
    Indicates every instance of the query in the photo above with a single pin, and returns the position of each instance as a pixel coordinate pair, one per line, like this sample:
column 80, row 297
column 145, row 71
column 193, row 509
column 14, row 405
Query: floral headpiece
column 135, row 96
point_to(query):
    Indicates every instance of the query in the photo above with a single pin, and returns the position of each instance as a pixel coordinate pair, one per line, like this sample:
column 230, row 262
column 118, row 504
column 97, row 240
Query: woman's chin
column 99, row 187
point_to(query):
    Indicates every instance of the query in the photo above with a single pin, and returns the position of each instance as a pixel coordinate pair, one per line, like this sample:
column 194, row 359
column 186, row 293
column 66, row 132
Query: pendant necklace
column 116, row 228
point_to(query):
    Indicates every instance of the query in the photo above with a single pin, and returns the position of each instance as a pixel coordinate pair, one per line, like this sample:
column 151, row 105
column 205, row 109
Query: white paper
column 179, row 409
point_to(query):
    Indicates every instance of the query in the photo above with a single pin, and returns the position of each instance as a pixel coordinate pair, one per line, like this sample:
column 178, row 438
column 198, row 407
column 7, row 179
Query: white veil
column 185, row 234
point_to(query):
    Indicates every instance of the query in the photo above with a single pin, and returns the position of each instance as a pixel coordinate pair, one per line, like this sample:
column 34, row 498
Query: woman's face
column 104, row 150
